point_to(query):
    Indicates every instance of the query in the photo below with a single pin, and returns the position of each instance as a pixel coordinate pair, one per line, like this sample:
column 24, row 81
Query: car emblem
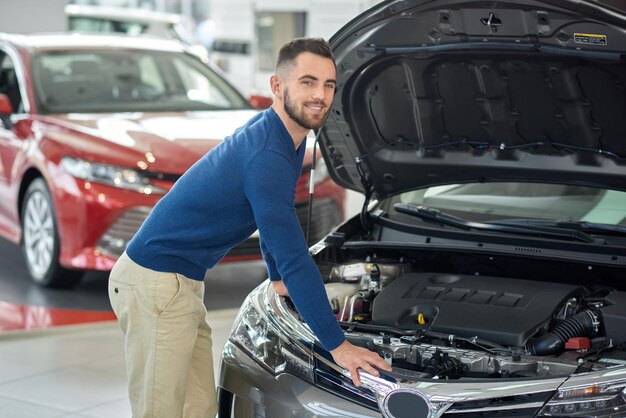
column 406, row 403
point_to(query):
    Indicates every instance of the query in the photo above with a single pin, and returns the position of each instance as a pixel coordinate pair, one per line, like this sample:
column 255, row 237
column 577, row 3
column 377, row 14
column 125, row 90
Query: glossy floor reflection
column 14, row 317
column 74, row 371
column 61, row 352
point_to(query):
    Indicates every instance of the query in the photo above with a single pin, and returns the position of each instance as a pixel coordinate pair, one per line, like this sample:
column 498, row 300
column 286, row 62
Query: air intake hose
column 583, row 324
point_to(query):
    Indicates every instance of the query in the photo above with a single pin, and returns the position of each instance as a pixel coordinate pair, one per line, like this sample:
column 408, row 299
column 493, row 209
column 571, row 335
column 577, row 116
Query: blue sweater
column 247, row 182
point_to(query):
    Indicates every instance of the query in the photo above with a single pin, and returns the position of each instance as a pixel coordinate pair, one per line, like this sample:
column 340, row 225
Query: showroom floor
column 74, row 371
column 61, row 351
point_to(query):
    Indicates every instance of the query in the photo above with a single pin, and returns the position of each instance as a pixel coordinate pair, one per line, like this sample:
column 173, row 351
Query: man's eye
column 307, row 82
column 330, row 86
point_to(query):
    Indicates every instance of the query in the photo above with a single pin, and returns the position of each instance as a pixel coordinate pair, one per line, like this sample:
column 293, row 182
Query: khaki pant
column 168, row 349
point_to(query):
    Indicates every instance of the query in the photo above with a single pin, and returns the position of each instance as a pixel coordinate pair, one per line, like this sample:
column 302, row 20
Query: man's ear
column 276, row 85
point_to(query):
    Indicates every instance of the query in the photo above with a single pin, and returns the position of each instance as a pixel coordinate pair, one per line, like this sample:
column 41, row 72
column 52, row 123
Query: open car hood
column 441, row 92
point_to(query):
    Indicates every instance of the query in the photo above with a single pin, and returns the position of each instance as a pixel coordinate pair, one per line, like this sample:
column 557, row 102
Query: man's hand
column 353, row 358
column 279, row 288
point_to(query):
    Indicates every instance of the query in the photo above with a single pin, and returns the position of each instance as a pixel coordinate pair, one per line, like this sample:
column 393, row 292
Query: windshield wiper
column 590, row 227
column 442, row 218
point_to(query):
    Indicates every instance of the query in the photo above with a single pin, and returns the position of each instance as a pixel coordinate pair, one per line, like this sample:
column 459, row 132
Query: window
column 150, row 75
column 8, row 82
column 274, row 29
column 128, row 81
column 199, row 87
column 92, row 24
column 492, row 201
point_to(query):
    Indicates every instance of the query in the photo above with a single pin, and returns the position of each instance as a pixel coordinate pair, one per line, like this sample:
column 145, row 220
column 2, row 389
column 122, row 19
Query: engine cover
column 505, row 311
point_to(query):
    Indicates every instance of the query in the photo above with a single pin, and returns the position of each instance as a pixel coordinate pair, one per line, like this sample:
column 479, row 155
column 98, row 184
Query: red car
column 95, row 129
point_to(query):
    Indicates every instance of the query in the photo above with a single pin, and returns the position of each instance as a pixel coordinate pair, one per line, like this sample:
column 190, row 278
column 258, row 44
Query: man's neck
column 297, row 132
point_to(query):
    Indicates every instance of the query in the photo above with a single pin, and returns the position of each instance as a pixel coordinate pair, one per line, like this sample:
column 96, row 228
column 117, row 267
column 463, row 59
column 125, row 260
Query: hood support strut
column 369, row 190
column 311, row 190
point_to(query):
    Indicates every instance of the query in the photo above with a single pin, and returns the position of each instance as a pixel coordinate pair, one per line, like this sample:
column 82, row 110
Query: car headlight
column 111, row 175
column 265, row 344
column 601, row 400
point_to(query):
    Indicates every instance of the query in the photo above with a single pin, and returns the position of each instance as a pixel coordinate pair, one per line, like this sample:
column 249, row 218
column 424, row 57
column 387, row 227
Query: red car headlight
column 111, row 175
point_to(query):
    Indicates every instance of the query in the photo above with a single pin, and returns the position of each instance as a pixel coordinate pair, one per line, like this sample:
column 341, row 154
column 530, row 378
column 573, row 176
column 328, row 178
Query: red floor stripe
column 21, row 317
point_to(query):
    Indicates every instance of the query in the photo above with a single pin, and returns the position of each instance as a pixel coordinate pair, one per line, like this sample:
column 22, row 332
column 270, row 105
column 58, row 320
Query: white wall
column 234, row 20
column 27, row 16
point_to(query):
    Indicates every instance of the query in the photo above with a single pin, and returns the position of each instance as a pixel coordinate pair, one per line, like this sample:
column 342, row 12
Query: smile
column 314, row 108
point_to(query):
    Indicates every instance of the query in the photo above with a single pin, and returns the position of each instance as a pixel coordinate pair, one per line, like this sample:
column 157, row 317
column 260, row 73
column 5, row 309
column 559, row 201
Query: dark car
column 95, row 130
column 488, row 266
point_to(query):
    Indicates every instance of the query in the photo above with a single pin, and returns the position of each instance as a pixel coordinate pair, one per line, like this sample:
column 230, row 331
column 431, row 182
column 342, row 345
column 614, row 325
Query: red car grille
column 325, row 216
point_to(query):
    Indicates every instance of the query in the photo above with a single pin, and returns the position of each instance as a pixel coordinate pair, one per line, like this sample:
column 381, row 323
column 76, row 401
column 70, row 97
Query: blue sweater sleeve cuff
column 335, row 340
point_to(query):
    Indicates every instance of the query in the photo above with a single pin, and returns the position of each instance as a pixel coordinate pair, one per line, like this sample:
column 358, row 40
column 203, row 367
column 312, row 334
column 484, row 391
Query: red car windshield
column 128, row 81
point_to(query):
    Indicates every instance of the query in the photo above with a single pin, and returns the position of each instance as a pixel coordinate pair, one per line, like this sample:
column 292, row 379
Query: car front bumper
column 96, row 222
column 257, row 382
column 246, row 390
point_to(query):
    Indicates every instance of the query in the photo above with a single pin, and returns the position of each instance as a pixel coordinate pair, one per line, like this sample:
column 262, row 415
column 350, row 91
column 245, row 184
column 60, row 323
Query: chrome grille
column 499, row 398
column 325, row 216
column 113, row 242
column 518, row 406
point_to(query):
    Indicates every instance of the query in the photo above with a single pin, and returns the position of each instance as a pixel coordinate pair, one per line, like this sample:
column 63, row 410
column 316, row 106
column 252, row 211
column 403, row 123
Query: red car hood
column 168, row 142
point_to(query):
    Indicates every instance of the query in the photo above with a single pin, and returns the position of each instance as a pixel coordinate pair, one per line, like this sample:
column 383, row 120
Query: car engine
column 438, row 325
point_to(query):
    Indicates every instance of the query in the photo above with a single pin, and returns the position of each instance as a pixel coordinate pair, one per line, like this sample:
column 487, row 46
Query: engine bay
column 440, row 325
column 507, row 312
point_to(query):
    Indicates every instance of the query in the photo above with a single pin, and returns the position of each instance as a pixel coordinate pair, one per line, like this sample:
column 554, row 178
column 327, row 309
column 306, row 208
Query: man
column 247, row 182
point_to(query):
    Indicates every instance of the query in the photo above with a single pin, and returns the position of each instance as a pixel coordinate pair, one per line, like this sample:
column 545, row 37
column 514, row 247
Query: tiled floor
column 74, row 371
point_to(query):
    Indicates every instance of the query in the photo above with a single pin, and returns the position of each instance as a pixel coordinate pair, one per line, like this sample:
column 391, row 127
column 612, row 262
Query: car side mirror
column 260, row 102
column 6, row 110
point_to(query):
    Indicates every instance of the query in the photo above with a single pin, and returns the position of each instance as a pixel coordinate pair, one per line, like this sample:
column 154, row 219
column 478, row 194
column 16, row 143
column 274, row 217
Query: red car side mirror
column 260, row 102
column 6, row 108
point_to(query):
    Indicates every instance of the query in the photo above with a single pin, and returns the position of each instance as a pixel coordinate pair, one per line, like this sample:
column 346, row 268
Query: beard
column 300, row 117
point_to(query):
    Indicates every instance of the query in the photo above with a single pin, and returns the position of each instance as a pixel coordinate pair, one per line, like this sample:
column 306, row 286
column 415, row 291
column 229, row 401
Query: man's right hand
column 354, row 358
column 280, row 288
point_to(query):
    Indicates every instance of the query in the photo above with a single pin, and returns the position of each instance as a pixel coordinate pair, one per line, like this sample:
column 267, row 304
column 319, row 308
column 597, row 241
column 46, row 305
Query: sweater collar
column 283, row 130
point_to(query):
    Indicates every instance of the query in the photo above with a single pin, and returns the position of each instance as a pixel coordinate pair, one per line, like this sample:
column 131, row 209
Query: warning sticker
column 589, row 38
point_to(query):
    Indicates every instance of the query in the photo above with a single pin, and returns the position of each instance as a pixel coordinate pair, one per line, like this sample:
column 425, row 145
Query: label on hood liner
column 589, row 38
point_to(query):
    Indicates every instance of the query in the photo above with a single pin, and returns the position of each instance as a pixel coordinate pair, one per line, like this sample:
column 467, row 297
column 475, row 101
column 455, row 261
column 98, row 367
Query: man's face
column 309, row 90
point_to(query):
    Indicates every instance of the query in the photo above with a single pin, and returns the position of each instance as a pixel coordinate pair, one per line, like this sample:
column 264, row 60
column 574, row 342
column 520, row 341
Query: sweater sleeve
column 269, row 186
column 269, row 261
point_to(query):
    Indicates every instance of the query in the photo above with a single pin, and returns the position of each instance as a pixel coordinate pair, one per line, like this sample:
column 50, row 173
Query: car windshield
column 499, row 201
column 87, row 24
column 128, row 81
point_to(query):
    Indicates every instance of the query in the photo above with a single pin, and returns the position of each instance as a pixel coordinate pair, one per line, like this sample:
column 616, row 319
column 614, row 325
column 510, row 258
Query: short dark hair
column 290, row 51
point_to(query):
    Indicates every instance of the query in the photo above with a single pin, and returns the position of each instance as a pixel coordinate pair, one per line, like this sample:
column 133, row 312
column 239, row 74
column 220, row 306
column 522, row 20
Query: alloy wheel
column 38, row 234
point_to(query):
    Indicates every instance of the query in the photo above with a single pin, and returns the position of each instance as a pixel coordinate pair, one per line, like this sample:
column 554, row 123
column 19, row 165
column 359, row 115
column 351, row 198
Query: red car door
column 10, row 146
